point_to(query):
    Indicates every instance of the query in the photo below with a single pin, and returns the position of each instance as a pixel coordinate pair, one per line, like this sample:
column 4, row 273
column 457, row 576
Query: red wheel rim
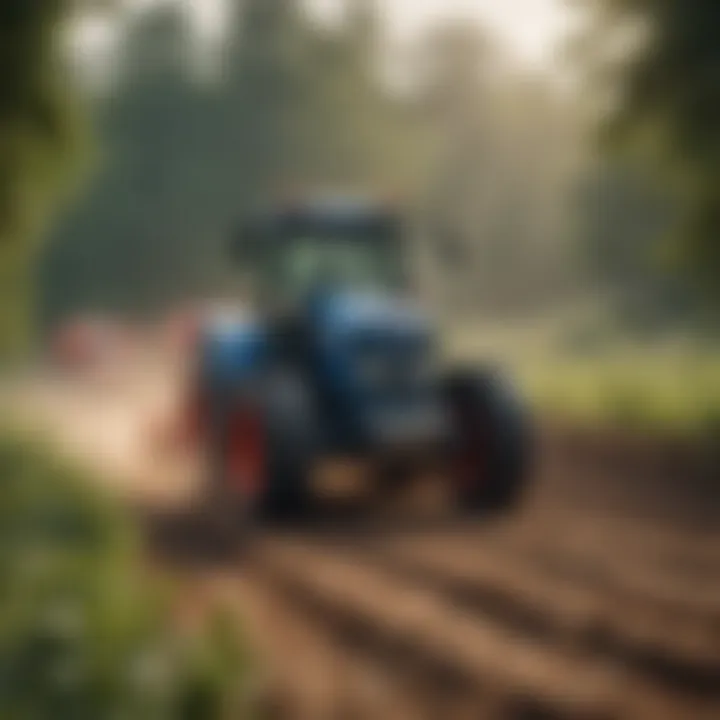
column 246, row 454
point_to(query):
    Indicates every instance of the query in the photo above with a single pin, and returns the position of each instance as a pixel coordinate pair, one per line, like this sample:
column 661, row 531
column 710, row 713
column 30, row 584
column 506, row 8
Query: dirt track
column 594, row 602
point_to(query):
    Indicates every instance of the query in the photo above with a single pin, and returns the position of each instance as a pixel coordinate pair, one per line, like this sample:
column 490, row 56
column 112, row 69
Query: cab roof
column 332, row 212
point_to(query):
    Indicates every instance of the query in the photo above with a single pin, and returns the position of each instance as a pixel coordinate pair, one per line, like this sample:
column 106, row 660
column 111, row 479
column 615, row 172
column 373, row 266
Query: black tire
column 293, row 437
column 484, row 405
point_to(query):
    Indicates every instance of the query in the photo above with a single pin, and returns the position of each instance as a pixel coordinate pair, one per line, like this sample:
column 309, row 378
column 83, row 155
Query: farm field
column 600, row 599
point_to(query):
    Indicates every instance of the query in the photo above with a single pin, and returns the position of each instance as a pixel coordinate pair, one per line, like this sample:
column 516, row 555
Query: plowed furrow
column 611, row 564
column 695, row 553
column 313, row 677
column 677, row 650
column 605, row 570
column 628, row 580
column 300, row 671
column 447, row 644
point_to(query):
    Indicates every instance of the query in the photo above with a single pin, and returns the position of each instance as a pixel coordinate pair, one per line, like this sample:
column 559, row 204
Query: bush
column 84, row 634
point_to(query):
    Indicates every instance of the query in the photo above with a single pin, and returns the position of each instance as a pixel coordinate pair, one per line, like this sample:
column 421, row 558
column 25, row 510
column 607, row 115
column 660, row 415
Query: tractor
column 329, row 388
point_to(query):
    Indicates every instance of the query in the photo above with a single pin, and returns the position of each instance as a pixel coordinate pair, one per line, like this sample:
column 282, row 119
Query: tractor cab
column 333, row 287
column 300, row 253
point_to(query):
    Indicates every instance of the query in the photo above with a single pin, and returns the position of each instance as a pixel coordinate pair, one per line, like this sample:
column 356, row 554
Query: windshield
column 305, row 261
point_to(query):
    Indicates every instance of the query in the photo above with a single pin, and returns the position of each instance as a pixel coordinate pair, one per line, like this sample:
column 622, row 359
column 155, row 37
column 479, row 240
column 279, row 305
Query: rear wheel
column 491, row 446
column 264, row 455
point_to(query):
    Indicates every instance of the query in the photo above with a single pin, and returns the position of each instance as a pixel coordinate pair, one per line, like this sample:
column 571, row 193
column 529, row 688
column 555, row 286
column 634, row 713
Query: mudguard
column 232, row 352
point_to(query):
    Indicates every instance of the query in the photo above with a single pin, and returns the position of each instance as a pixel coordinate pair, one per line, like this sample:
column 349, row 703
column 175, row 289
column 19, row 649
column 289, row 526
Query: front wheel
column 491, row 441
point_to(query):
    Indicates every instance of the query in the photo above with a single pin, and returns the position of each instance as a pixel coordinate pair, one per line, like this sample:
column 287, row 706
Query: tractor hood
column 378, row 368
column 371, row 315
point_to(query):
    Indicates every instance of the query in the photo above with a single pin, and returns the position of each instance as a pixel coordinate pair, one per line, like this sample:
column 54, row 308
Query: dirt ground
column 600, row 598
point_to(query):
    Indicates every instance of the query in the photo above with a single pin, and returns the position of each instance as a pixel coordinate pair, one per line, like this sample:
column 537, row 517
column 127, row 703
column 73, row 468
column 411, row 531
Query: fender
column 229, row 355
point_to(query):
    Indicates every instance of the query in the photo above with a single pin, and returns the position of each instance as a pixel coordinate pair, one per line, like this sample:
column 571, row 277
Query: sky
column 532, row 30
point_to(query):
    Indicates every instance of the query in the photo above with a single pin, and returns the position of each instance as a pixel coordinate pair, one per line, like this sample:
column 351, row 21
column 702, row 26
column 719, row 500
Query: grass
column 671, row 386
column 646, row 393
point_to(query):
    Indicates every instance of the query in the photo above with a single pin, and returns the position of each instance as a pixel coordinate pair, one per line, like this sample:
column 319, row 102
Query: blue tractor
column 336, row 367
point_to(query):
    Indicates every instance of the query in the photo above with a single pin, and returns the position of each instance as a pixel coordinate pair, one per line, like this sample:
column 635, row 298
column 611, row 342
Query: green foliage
column 40, row 134
column 670, row 105
column 622, row 225
column 83, row 633
column 585, row 368
column 294, row 106
column 641, row 390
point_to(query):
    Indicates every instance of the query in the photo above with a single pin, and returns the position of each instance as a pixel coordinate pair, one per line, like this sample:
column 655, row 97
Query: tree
column 263, row 94
column 40, row 134
column 669, row 102
column 122, row 245
column 294, row 104
column 620, row 215
column 502, row 150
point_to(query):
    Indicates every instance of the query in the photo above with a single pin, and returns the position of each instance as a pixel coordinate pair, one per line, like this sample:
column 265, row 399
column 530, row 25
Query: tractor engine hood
column 379, row 361
column 368, row 314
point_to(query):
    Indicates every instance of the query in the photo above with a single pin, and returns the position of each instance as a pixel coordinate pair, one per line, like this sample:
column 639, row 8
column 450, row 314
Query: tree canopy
column 41, row 135
column 299, row 104
column 669, row 102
